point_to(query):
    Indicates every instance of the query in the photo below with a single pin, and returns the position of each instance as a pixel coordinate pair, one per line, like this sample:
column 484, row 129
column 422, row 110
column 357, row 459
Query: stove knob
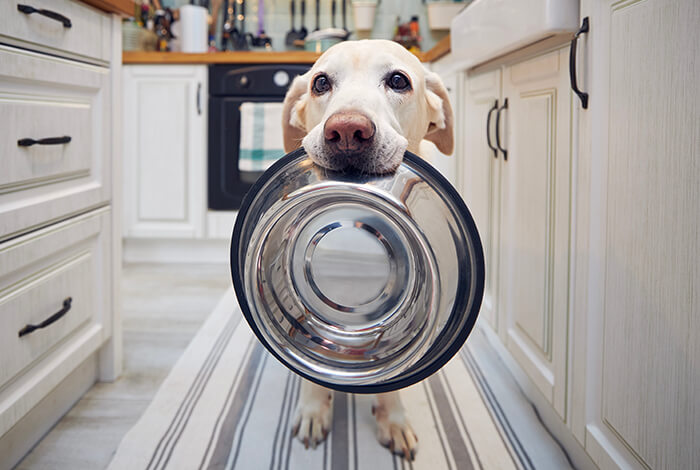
column 281, row 78
column 244, row 81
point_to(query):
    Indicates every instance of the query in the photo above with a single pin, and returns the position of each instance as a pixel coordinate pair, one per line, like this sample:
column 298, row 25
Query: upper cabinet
column 640, row 188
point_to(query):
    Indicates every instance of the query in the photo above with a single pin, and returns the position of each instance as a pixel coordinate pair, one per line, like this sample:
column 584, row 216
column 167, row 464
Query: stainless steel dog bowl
column 363, row 284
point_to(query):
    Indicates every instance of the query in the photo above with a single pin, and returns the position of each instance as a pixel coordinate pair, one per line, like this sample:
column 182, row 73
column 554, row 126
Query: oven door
column 226, row 183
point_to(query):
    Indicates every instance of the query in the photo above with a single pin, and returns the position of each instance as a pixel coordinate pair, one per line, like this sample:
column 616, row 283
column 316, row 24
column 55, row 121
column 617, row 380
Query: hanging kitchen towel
column 261, row 136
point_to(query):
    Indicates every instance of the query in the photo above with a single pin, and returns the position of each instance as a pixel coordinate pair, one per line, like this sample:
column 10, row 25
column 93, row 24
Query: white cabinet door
column 534, row 232
column 481, row 176
column 165, row 150
column 643, row 61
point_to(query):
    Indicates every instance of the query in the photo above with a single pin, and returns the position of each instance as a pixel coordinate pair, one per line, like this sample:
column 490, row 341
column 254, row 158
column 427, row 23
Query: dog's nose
column 349, row 131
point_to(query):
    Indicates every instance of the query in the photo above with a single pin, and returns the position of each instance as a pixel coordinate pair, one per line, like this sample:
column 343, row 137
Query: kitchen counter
column 252, row 57
column 120, row 7
column 228, row 57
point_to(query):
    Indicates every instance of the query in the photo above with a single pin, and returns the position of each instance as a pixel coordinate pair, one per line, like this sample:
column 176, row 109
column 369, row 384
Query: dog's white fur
column 357, row 71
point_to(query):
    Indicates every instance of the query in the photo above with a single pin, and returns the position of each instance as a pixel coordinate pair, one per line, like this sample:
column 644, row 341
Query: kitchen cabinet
column 481, row 176
column 591, row 227
column 165, row 153
column 516, row 180
column 640, row 200
column 534, row 212
column 60, row 239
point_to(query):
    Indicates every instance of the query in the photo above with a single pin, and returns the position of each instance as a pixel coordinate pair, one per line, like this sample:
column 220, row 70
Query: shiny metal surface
column 359, row 283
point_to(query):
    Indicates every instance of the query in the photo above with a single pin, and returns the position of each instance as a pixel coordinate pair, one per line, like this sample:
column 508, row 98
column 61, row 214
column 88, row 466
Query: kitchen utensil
column 292, row 34
column 228, row 25
column 303, row 31
column 261, row 17
column 241, row 38
column 321, row 40
column 262, row 40
column 345, row 17
column 318, row 13
column 359, row 283
column 333, row 14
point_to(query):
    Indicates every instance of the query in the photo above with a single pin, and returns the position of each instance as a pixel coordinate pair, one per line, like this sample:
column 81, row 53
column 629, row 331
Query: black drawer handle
column 488, row 129
column 28, row 10
column 29, row 328
column 572, row 64
column 47, row 141
column 498, row 129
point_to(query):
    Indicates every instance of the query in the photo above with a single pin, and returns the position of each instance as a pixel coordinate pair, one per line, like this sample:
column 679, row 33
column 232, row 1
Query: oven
column 229, row 87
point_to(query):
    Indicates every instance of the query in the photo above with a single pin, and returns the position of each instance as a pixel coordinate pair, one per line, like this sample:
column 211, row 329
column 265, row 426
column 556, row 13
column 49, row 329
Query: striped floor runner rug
column 228, row 404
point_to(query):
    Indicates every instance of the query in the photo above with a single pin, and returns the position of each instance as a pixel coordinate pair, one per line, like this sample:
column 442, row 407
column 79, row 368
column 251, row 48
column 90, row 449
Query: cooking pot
column 360, row 283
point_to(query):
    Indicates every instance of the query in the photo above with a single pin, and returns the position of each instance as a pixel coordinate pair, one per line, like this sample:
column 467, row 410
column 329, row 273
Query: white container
column 441, row 14
column 364, row 15
column 193, row 28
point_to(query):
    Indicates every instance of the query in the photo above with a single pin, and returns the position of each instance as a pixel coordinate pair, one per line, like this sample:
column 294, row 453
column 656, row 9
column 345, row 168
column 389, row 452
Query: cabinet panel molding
column 535, row 223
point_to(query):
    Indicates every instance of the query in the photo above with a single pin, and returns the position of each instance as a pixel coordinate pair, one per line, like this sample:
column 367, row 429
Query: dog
column 359, row 108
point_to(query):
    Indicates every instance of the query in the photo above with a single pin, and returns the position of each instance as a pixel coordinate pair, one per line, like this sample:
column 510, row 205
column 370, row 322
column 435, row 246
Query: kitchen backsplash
column 277, row 22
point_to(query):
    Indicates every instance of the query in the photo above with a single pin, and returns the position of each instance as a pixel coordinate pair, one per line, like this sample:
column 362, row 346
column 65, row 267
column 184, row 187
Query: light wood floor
column 163, row 307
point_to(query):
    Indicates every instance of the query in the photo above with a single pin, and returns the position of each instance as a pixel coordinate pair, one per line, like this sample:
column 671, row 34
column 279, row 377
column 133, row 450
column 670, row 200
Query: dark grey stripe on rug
column 257, row 420
column 228, row 405
column 515, row 447
column 164, row 449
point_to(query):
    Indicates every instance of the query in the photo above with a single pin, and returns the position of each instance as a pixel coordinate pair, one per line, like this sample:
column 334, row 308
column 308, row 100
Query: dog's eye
column 321, row 84
column 398, row 81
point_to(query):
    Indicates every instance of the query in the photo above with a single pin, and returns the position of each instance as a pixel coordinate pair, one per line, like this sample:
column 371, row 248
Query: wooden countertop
column 229, row 57
column 252, row 57
column 439, row 50
column 120, row 7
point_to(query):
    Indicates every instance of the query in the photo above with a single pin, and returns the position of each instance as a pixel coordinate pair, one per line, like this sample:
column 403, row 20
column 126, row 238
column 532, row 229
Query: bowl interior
column 357, row 282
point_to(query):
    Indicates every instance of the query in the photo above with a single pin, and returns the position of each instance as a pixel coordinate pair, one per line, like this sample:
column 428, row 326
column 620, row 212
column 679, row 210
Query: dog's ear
column 441, row 127
column 293, row 113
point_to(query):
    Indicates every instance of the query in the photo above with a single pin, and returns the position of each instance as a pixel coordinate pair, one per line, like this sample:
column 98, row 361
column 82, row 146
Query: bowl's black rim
column 436, row 364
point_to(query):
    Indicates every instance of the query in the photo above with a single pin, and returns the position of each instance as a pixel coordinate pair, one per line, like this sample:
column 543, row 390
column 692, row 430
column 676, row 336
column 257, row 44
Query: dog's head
column 364, row 103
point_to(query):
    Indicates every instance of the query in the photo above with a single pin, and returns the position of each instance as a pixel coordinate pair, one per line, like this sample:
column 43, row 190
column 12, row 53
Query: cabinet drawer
column 46, row 97
column 31, row 118
column 39, row 273
column 87, row 36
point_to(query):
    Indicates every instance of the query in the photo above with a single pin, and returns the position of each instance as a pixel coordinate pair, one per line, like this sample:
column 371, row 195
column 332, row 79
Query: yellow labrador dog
column 362, row 104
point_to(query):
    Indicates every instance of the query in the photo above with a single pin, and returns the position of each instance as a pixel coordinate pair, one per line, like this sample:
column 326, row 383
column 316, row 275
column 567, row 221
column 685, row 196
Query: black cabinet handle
column 488, row 129
column 46, row 141
column 498, row 129
column 29, row 328
column 572, row 64
column 28, row 10
column 199, row 98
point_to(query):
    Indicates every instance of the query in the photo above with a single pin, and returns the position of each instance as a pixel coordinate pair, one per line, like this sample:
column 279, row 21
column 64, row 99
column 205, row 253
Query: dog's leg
column 393, row 428
column 312, row 421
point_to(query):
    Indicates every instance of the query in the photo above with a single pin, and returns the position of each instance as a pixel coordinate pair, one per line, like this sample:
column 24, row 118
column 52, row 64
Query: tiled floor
column 163, row 307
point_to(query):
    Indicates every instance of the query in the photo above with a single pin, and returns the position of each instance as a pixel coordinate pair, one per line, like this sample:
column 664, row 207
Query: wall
column 277, row 22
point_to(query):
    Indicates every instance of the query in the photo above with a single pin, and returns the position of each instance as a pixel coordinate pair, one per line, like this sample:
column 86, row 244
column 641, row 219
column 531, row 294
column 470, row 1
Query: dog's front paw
column 394, row 431
column 312, row 421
